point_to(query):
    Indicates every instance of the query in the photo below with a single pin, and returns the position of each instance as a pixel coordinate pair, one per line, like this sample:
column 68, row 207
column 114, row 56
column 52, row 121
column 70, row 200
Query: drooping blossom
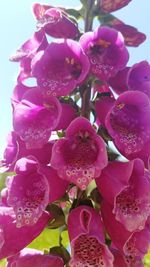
column 128, row 122
column 87, row 239
column 60, row 67
column 119, row 82
column 106, row 51
column 16, row 149
column 139, row 77
column 126, row 187
column 12, row 238
column 27, row 51
column 28, row 192
column 81, row 155
column 102, row 106
column 132, row 37
column 35, row 116
column 110, row 6
column 69, row 113
column 133, row 245
column 31, row 257
column 55, row 21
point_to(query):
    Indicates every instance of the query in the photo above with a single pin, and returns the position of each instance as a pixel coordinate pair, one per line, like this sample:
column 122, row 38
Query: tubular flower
column 128, row 122
column 12, row 238
column 129, row 192
column 54, row 21
column 87, row 239
column 81, row 155
column 60, row 67
column 106, row 51
column 31, row 257
column 110, row 6
column 35, row 117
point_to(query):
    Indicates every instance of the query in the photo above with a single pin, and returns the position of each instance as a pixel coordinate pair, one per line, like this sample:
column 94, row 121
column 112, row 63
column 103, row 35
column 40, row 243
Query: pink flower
column 55, row 21
column 113, row 5
column 28, row 192
column 12, row 238
column 35, row 117
column 87, row 239
column 81, row 155
column 31, row 257
column 126, row 187
column 106, row 51
column 60, row 67
column 128, row 122
column 132, row 245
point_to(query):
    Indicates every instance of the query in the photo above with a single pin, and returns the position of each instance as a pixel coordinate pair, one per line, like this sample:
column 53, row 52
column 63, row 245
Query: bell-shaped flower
column 119, row 82
column 126, row 187
column 102, row 106
column 87, row 239
column 16, row 149
column 133, row 245
column 81, row 155
column 139, row 77
column 32, row 257
column 109, row 6
column 12, row 238
column 60, row 67
column 55, row 21
column 28, row 192
column 35, row 117
column 128, row 123
column 106, row 51
column 27, row 51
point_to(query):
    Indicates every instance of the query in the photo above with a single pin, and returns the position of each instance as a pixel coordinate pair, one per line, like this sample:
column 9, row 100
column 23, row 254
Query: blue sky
column 17, row 24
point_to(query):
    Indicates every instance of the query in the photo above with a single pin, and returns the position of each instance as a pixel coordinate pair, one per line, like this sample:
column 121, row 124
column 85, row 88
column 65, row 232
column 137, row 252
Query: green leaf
column 3, row 177
column 2, row 263
column 73, row 12
column 58, row 216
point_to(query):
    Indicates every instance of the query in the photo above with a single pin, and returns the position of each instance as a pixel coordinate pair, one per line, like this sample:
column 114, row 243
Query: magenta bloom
column 16, row 149
column 133, row 245
column 119, row 81
column 128, row 122
column 109, row 6
column 139, row 77
column 28, row 192
column 12, row 238
column 106, row 51
column 87, row 239
column 60, row 67
column 102, row 106
column 128, row 194
column 35, row 117
column 27, row 51
column 31, row 257
column 81, row 155
column 54, row 21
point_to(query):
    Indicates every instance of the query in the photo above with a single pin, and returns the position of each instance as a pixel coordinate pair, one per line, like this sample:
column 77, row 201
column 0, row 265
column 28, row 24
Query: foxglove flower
column 16, row 149
column 133, row 245
column 109, row 6
column 87, row 239
column 12, row 238
column 119, row 82
column 139, row 77
column 35, row 117
column 81, row 155
column 128, row 122
column 27, row 51
column 28, row 192
column 31, row 257
column 54, row 21
column 60, row 67
column 106, row 51
column 128, row 194
column 102, row 106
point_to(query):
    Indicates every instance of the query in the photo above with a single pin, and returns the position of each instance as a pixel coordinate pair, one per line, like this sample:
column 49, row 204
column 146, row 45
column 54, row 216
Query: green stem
column 86, row 88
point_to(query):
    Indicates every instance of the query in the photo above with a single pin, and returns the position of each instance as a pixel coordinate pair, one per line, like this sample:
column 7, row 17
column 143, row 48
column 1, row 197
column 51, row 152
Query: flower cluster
column 60, row 166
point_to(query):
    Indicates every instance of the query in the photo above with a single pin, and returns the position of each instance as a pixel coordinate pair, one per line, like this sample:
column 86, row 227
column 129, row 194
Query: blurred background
column 18, row 24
